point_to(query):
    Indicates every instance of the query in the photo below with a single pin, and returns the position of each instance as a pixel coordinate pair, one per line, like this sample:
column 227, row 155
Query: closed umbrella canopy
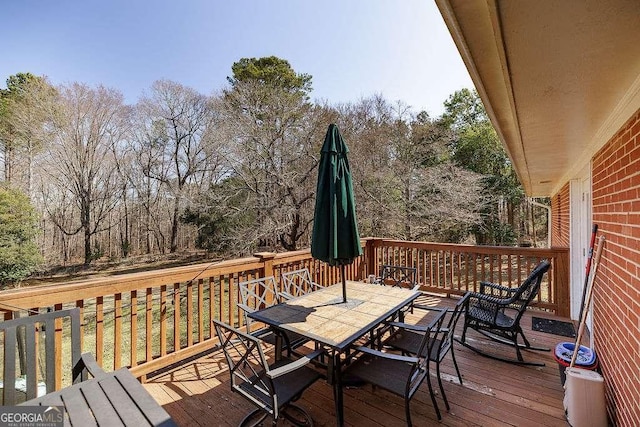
column 335, row 239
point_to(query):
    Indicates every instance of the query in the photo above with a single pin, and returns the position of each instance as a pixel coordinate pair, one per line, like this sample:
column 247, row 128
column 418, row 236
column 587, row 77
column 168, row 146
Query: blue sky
column 352, row 49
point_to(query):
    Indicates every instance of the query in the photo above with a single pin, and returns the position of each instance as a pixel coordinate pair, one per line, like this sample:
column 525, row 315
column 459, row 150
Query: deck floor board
column 494, row 393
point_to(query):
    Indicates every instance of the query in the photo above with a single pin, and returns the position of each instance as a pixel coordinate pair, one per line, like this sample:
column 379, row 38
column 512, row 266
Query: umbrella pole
column 344, row 284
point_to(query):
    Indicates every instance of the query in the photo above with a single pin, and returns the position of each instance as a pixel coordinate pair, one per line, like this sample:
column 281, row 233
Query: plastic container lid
column 588, row 375
column 564, row 353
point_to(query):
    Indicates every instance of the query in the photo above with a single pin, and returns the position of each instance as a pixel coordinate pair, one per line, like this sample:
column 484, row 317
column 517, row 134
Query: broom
column 585, row 309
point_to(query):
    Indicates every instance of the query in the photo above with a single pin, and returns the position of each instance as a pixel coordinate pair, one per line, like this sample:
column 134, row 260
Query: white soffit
column 558, row 78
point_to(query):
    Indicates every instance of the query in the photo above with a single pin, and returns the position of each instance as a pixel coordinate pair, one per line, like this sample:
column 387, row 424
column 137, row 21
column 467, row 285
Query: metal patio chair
column 261, row 293
column 400, row 375
column 399, row 276
column 271, row 387
column 496, row 312
column 408, row 341
column 297, row 283
column 396, row 276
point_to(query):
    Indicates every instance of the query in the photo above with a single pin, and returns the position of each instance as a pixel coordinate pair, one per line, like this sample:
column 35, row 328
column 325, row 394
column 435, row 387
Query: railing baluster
column 452, row 270
column 80, row 305
column 99, row 330
column 200, row 310
column 231, row 292
column 443, row 272
column 163, row 320
column 148, row 317
column 467, row 270
column 189, row 313
column 221, row 296
column 117, row 332
column 133, row 355
column 459, row 267
column 58, row 352
column 176, row 316
column 211, row 303
column 493, row 266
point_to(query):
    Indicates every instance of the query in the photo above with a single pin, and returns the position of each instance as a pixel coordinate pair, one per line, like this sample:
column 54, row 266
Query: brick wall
column 616, row 210
column 560, row 217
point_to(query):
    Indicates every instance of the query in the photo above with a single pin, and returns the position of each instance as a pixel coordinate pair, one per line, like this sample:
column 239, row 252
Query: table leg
column 337, row 388
column 279, row 340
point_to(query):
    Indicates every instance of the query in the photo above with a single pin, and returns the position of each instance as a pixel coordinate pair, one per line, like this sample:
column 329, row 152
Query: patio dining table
column 322, row 317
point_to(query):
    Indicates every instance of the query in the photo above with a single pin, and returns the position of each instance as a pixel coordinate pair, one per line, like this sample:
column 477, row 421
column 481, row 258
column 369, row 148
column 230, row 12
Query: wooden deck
column 493, row 394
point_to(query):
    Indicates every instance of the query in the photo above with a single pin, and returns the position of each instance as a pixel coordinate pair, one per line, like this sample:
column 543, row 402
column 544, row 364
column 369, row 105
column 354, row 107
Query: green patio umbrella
column 335, row 239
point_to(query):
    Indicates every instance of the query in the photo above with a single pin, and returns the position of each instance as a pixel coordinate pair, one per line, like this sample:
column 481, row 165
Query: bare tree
column 366, row 127
column 448, row 203
column 80, row 161
column 406, row 186
column 175, row 147
column 276, row 139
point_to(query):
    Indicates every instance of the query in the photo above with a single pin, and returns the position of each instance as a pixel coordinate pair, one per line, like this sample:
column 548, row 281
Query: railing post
column 561, row 279
column 266, row 258
column 370, row 255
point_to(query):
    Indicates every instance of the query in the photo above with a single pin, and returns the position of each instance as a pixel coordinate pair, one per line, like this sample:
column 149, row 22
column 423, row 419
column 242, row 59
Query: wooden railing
column 456, row 269
column 151, row 320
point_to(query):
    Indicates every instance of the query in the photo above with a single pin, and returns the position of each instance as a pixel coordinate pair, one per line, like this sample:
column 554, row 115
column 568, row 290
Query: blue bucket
column 586, row 358
column 564, row 352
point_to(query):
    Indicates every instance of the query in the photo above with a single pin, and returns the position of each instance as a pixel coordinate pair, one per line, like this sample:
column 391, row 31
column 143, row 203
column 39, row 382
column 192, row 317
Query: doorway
column 580, row 237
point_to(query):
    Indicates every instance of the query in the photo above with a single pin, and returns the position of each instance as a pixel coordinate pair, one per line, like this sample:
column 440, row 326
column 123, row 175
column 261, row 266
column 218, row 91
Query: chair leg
column 455, row 363
column 407, row 411
column 251, row 421
column 464, row 331
column 515, row 344
column 444, row 396
column 494, row 357
column 433, row 397
column 527, row 344
column 297, row 415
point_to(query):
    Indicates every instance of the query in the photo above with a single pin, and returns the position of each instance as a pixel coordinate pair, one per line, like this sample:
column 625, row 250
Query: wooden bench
column 110, row 399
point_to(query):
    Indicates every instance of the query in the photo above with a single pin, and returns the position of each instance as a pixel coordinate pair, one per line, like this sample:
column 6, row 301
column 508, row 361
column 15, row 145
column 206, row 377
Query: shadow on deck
column 493, row 394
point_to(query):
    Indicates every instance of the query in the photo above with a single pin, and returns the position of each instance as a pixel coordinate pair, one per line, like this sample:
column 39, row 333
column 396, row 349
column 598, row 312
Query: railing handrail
column 59, row 293
column 50, row 294
column 480, row 249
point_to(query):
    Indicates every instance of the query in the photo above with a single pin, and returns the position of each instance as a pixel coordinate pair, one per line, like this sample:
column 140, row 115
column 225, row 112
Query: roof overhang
column 558, row 78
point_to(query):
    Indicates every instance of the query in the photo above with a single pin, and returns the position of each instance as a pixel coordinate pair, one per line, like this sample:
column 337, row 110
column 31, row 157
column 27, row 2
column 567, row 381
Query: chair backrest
column 37, row 356
column 446, row 334
column 298, row 282
column 528, row 290
column 399, row 276
column 257, row 294
column 247, row 365
column 420, row 369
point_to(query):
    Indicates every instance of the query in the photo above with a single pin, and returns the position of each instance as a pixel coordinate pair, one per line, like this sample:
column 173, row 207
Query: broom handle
column 585, row 308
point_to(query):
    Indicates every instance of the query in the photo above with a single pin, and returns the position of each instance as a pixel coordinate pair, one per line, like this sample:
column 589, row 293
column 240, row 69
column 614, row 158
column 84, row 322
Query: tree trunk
column 8, row 162
column 125, row 237
column 407, row 212
column 86, row 226
column 174, row 226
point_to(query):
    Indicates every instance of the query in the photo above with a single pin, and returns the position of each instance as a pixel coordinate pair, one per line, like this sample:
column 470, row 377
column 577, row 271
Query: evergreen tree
column 476, row 147
column 19, row 255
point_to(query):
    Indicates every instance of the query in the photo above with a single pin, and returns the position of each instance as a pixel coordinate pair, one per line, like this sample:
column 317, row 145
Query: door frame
column 579, row 234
